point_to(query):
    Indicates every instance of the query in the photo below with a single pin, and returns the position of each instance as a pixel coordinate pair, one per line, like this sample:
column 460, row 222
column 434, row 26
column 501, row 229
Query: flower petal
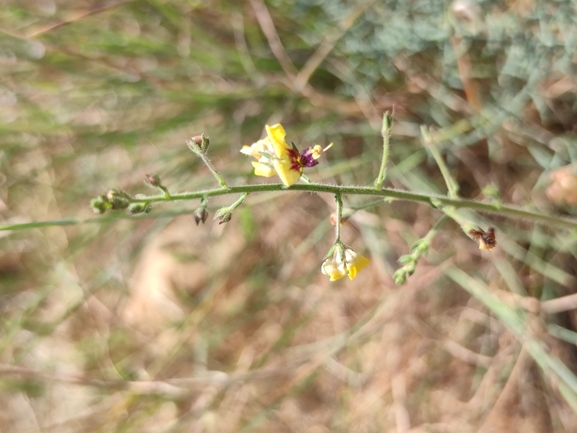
column 286, row 171
column 333, row 270
column 276, row 134
column 263, row 170
column 250, row 151
column 356, row 265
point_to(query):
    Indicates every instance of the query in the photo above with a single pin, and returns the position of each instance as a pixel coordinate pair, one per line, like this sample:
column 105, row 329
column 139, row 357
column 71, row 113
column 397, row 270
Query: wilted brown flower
column 486, row 239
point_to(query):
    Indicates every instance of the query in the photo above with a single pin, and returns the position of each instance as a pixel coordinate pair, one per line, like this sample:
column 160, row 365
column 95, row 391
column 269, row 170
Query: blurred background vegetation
column 156, row 325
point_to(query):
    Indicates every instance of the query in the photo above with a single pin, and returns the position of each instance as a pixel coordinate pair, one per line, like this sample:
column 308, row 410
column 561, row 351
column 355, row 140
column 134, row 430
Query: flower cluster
column 343, row 260
column 275, row 156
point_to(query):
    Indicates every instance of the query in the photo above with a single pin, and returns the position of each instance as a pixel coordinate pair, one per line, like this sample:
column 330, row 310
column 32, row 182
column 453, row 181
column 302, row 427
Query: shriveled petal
column 485, row 246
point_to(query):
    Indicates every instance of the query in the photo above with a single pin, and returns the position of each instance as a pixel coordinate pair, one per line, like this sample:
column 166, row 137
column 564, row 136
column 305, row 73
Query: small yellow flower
column 336, row 268
column 275, row 156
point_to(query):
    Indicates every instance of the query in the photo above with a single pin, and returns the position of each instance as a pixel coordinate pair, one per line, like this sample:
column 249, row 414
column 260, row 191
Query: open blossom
column 275, row 156
column 336, row 268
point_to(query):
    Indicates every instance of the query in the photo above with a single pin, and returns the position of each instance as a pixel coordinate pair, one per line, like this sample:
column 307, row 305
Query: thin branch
column 558, row 305
column 430, row 199
column 327, row 46
column 267, row 25
column 77, row 17
column 339, row 218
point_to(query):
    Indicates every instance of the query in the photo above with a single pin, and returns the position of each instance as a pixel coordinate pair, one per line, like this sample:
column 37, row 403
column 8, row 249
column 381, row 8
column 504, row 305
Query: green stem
column 409, row 261
column 237, row 203
column 213, row 170
column 347, row 213
column 339, row 201
column 437, row 201
column 429, row 236
column 452, row 185
column 465, row 224
column 386, row 132
column 165, row 191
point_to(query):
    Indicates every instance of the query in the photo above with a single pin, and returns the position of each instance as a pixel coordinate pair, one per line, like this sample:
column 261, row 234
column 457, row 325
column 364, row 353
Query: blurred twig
column 76, row 17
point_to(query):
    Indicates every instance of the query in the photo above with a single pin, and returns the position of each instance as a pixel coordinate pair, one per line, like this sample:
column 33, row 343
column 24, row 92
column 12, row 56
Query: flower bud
column 100, row 204
column 139, row 208
column 223, row 217
column 152, row 180
column 200, row 215
column 198, row 143
column 118, row 199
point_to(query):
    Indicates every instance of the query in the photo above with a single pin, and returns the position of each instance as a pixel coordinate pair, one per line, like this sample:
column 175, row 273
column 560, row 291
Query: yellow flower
column 275, row 156
column 336, row 268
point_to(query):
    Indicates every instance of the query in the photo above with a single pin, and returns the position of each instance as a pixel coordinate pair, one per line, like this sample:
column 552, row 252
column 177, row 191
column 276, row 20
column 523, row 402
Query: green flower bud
column 118, row 199
column 100, row 204
column 223, row 218
column 152, row 180
column 139, row 208
column 198, row 143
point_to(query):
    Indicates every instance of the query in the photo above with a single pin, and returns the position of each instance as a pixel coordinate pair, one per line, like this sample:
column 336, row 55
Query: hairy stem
column 452, row 185
column 437, row 201
column 339, row 201
column 386, row 132
column 240, row 201
column 213, row 170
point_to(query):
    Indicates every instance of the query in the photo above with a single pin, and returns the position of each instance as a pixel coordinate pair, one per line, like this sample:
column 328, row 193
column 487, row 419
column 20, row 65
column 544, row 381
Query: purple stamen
column 308, row 158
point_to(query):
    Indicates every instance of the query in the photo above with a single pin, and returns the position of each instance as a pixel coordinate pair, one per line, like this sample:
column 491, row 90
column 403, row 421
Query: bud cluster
column 116, row 199
column 409, row 261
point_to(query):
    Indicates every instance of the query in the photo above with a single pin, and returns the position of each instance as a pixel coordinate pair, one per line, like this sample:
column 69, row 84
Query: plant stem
column 464, row 223
column 452, row 185
column 165, row 191
column 213, row 170
column 430, row 199
column 429, row 236
column 437, row 201
column 339, row 201
column 386, row 132
column 237, row 203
